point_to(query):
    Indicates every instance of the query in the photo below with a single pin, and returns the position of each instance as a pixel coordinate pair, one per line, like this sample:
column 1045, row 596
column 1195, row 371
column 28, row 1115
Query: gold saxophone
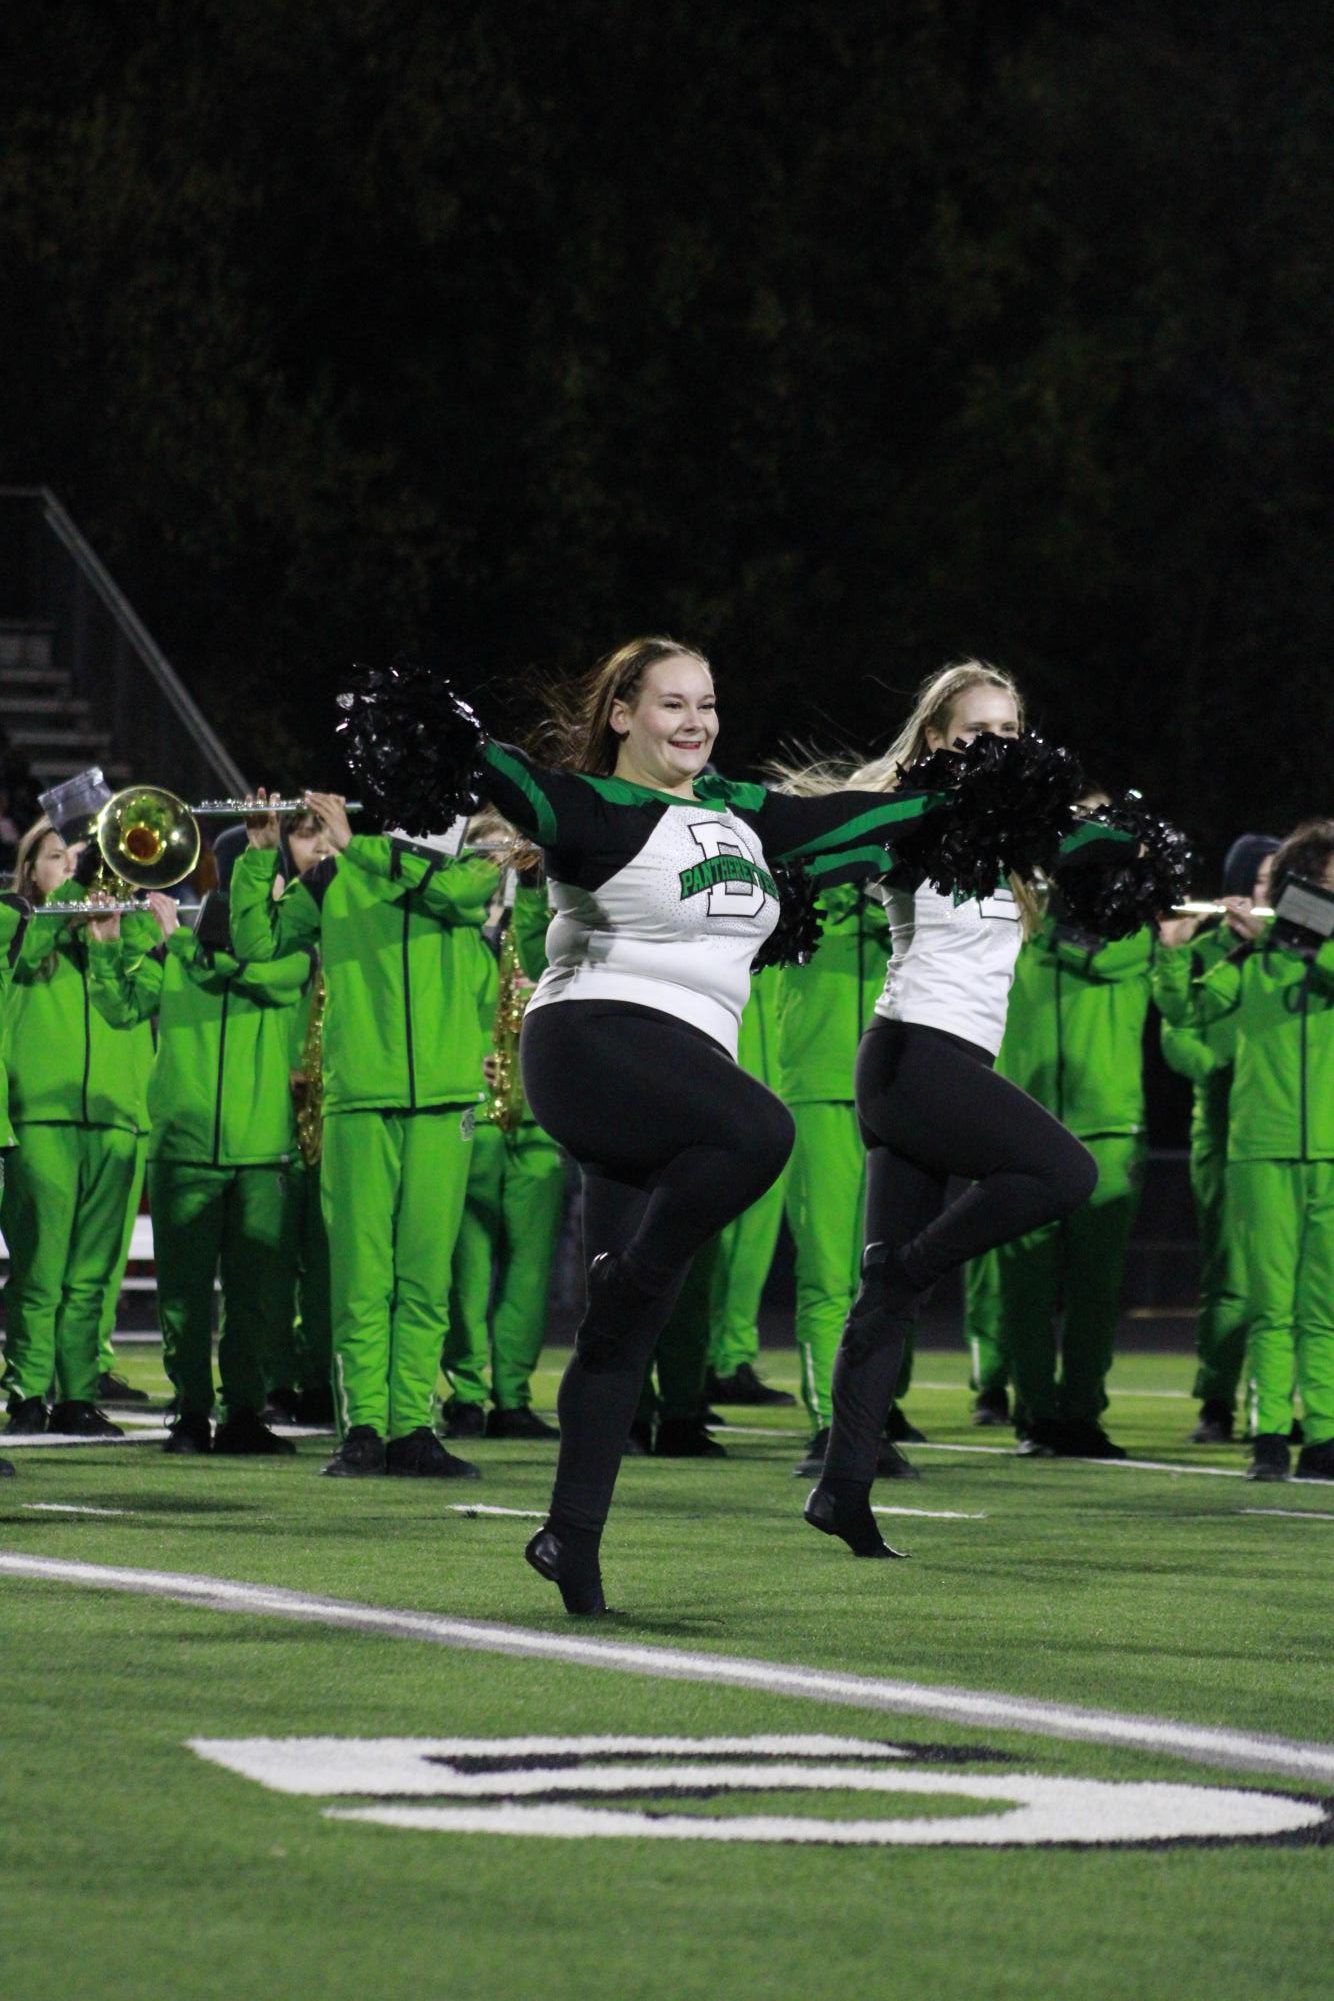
column 308, row 1081
column 504, row 1101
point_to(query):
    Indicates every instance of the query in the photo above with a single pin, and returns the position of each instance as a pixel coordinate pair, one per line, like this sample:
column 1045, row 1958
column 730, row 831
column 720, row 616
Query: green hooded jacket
column 399, row 930
column 1075, row 1030
column 220, row 1092
column 1188, row 1041
column 824, row 1006
column 67, row 1066
column 1271, row 1015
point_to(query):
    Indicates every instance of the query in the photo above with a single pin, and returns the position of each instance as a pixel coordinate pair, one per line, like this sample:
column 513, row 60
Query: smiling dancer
column 661, row 880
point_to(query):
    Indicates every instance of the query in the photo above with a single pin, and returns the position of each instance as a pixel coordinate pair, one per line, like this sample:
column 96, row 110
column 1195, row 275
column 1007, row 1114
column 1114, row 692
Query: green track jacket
column 1188, row 1041
column 824, row 1006
column 1272, row 1017
column 67, row 1066
column 1074, row 1034
column 220, row 1093
column 398, row 928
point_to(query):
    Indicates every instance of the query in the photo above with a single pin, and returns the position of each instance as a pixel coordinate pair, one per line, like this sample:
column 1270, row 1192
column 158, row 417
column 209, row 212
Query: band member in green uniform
column 1188, row 1045
column 78, row 1103
column 223, row 1140
column 400, row 1098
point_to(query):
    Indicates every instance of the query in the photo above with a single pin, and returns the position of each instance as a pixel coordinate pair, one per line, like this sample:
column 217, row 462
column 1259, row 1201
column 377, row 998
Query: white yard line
column 1229, row 1750
column 471, row 1508
column 1176, row 1396
column 931, row 1514
column 67, row 1508
column 9, row 1444
column 1290, row 1514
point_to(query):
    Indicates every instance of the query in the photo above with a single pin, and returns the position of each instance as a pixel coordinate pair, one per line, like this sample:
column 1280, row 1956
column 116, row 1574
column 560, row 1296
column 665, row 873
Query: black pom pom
column 1115, row 890
column 800, row 925
column 413, row 744
column 1009, row 805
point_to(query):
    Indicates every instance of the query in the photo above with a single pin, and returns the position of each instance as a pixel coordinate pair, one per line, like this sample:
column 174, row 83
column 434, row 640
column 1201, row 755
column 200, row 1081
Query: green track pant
column 1220, row 1324
column 239, row 1222
column 502, row 1265
column 1071, row 1271
column 982, row 1330
column 826, row 1196
column 393, row 1187
column 67, row 1189
column 741, row 1266
column 106, row 1354
column 1283, row 1211
column 302, row 1356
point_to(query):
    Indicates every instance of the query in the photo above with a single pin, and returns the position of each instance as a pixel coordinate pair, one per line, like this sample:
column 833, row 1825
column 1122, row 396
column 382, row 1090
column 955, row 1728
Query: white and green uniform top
column 952, row 961
column 953, row 958
column 663, row 902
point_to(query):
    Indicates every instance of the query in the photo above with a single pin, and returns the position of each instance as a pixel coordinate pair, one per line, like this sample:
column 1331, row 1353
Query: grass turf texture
column 132, row 1867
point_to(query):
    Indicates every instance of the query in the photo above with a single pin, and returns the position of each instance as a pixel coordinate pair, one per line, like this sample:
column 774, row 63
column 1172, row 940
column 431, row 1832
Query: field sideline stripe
column 1228, row 1750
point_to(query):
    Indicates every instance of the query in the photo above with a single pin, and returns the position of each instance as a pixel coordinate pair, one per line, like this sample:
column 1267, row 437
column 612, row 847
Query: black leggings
column 931, row 1107
column 674, row 1141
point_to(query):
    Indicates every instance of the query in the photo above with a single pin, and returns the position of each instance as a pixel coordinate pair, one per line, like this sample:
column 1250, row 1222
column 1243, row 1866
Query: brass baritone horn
column 148, row 838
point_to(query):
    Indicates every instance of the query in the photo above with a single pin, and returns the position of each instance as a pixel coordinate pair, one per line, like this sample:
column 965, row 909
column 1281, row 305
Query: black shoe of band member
column 1040, row 1440
column 6, row 1469
column 245, row 1435
column 27, row 1418
column 112, row 1388
column 847, row 1515
column 685, row 1438
column 360, row 1456
column 1270, row 1457
column 891, row 1465
column 521, row 1423
column 569, row 1560
column 1083, row 1439
column 1216, row 1424
column 812, row 1466
column 1316, row 1462
column 900, row 1430
column 189, row 1438
column 82, row 1420
column 463, row 1420
column 280, row 1405
column 743, row 1386
column 991, row 1408
column 421, row 1456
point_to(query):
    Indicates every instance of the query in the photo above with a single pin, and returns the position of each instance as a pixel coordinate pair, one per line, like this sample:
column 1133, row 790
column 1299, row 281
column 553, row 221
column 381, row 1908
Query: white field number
column 566, row 1788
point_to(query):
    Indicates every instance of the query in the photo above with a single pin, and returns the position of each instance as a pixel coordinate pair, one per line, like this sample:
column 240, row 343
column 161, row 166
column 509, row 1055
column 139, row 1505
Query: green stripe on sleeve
column 880, row 856
column 894, row 812
column 521, row 778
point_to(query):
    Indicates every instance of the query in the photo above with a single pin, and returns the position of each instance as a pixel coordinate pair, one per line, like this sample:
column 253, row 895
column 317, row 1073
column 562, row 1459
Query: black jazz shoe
column 572, row 1569
column 850, row 1519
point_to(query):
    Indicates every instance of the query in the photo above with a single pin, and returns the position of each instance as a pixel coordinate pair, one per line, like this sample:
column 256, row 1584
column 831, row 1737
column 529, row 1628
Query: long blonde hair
column 936, row 701
column 25, row 884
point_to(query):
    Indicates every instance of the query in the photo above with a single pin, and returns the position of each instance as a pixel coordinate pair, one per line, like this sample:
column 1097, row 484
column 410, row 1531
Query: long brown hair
column 25, row 861
column 935, row 702
column 25, row 884
column 578, row 733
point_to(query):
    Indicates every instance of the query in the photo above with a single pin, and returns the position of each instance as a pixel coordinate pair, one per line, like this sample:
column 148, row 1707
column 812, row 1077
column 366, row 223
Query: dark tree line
column 838, row 339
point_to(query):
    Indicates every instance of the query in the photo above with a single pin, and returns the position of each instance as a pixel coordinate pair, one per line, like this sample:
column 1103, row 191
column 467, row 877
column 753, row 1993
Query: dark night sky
column 837, row 340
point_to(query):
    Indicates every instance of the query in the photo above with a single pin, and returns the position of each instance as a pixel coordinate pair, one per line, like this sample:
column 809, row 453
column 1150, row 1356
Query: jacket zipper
column 407, row 1012
column 222, row 1058
column 87, row 1033
column 1306, row 989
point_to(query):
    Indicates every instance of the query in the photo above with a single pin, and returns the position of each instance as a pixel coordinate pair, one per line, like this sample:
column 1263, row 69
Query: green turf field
column 134, row 1865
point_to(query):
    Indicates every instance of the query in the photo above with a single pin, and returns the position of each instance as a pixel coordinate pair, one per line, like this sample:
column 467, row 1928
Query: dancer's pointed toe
column 850, row 1519
column 575, row 1573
